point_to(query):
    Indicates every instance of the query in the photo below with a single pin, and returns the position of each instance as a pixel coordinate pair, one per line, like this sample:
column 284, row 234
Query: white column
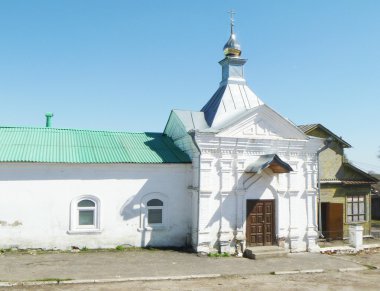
column 293, row 228
column 204, row 239
column 312, row 230
column 282, row 218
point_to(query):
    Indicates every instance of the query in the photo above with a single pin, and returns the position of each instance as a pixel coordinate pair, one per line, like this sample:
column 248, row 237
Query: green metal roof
column 52, row 145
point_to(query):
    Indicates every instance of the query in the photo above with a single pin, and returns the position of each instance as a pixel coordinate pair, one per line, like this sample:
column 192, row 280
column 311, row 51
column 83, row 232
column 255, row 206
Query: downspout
column 327, row 143
column 192, row 134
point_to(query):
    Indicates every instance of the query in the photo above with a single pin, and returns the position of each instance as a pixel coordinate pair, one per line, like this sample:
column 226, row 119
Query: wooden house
column 345, row 190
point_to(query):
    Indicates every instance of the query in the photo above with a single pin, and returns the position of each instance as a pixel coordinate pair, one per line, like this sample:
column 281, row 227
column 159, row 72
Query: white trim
column 74, row 227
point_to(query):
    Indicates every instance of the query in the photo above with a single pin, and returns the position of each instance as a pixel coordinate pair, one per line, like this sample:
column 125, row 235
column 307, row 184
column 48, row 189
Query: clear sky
column 123, row 65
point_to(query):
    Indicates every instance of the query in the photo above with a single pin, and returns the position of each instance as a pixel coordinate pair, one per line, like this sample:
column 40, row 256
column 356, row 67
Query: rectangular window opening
column 154, row 216
column 355, row 208
column 86, row 217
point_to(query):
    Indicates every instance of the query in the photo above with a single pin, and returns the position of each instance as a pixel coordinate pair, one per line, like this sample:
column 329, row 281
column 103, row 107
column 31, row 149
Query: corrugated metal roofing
column 52, row 145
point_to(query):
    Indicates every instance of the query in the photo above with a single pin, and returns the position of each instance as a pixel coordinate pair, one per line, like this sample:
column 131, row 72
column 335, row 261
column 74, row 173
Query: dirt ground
column 364, row 280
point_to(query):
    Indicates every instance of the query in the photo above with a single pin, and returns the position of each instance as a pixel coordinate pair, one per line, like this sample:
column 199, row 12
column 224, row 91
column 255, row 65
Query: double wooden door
column 260, row 222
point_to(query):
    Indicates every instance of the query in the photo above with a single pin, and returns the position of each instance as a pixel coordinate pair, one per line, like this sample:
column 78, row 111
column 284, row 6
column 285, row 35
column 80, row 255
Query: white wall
column 35, row 204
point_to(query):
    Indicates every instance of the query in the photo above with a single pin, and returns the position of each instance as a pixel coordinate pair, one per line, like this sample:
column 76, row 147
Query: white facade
column 225, row 188
column 39, row 205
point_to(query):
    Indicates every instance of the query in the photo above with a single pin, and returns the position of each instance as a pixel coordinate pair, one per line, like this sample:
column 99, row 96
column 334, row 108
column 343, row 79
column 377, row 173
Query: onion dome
column 232, row 47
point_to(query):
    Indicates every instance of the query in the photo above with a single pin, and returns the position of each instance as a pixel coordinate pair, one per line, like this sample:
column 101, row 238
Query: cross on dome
column 231, row 12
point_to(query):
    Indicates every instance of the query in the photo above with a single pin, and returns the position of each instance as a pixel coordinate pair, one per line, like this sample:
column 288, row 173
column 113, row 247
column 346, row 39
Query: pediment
column 262, row 123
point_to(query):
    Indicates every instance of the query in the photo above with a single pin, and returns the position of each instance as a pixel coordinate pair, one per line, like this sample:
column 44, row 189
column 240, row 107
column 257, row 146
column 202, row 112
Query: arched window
column 154, row 211
column 86, row 212
column 155, row 207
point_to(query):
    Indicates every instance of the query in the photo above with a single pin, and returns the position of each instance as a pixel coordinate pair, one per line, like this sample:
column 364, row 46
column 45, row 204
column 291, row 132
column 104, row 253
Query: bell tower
column 233, row 96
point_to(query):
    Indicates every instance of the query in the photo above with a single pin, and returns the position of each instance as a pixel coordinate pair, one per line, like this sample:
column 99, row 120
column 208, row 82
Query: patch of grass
column 84, row 249
column 218, row 255
column 2, row 251
column 120, row 248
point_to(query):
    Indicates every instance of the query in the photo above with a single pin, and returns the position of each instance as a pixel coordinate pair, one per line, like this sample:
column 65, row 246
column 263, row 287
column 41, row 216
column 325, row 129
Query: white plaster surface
column 35, row 204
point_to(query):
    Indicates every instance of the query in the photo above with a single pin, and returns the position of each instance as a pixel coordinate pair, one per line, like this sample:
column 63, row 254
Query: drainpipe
column 192, row 134
column 327, row 143
column 48, row 116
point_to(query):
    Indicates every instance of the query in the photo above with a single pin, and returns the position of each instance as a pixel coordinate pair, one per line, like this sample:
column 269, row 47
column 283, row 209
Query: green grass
column 218, row 255
column 120, row 248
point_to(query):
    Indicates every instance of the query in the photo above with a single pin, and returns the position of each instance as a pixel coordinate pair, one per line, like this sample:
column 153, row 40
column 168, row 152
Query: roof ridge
column 76, row 129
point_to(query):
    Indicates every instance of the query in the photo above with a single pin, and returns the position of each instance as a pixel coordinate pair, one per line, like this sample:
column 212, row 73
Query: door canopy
column 271, row 161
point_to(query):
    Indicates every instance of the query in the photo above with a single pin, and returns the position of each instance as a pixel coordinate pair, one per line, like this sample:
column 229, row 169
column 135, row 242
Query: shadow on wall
column 164, row 147
column 255, row 186
column 258, row 186
column 158, row 225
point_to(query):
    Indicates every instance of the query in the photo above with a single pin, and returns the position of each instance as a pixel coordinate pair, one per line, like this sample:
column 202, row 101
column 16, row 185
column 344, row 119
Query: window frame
column 355, row 200
column 75, row 226
column 158, row 207
column 144, row 211
column 87, row 208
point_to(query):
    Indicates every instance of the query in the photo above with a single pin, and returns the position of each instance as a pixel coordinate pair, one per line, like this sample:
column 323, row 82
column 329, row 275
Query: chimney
column 49, row 116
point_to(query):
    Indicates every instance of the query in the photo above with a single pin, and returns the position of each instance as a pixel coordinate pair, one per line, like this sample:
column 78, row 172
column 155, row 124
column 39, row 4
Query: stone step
column 265, row 252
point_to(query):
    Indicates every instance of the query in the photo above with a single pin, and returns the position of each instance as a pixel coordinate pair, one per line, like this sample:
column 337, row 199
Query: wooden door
column 260, row 222
column 332, row 220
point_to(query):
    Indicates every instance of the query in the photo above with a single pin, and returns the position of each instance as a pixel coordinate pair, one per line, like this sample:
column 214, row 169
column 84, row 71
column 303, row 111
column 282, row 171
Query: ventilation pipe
column 49, row 116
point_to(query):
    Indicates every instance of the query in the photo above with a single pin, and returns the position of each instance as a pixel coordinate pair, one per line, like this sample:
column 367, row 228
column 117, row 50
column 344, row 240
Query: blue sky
column 123, row 65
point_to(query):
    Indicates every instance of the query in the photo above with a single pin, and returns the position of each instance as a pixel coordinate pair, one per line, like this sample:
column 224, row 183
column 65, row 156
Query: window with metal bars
column 355, row 208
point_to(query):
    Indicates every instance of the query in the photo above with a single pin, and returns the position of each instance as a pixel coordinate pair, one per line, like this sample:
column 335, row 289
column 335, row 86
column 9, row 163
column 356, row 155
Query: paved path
column 15, row 266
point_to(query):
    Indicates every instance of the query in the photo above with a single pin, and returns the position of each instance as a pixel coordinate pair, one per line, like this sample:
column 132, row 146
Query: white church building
column 235, row 171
